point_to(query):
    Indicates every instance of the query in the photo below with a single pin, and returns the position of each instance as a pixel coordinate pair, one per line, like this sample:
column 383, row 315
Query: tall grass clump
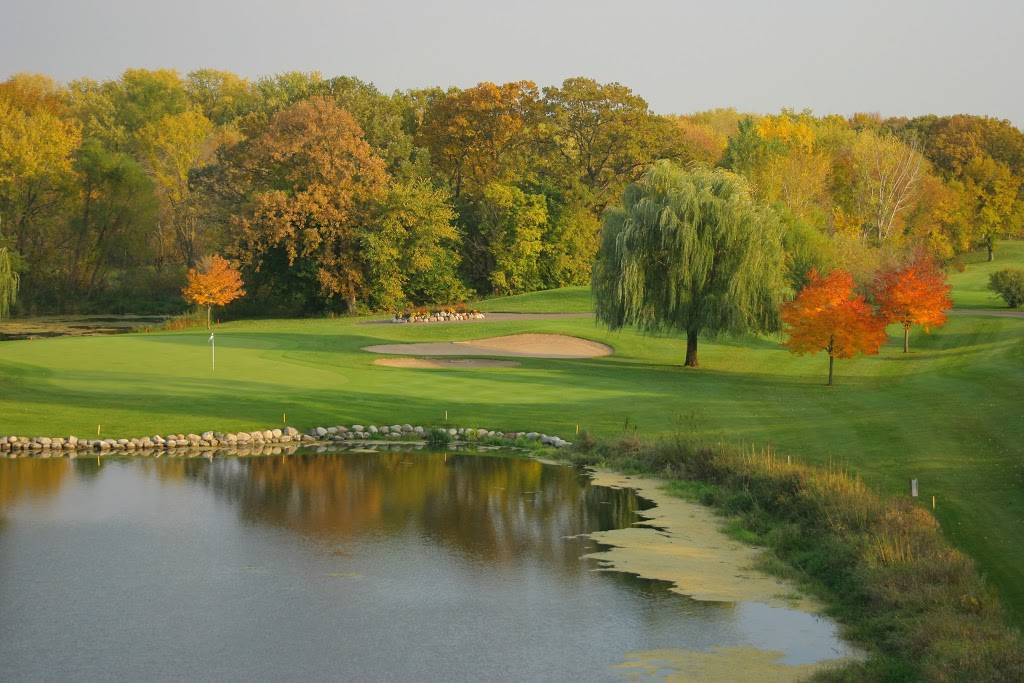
column 914, row 603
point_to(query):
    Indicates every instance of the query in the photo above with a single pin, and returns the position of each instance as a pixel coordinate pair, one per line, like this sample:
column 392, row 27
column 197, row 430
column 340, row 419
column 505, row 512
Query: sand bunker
column 520, row 345
column 445, row 363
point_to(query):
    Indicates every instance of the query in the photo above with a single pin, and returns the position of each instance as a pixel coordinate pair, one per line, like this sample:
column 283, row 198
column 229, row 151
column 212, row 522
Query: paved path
column 492, row 317
column 997, row 312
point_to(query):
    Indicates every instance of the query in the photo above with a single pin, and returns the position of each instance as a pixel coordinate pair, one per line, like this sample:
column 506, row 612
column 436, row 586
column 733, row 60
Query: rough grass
column 949, row 413
column 882, row 568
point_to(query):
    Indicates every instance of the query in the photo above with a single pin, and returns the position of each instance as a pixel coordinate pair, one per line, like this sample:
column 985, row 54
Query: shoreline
column 240, row 443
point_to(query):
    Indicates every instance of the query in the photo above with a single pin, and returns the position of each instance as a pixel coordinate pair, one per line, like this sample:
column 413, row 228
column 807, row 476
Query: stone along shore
column 266, row 440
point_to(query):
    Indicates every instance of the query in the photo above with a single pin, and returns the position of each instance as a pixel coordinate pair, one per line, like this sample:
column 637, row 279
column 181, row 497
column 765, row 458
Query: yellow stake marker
column 97, row 430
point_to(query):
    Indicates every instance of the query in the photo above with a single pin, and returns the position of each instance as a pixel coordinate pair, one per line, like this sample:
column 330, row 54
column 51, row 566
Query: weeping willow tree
column 689, row 251
column 8, row 282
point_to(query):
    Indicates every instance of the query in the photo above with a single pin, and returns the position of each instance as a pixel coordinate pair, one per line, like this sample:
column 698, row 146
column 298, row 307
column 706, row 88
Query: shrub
column 438, row 438
column 1008, row 284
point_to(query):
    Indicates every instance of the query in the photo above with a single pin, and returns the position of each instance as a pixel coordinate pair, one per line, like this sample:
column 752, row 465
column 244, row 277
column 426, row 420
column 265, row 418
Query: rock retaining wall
column 437, row 317
column 267, row 439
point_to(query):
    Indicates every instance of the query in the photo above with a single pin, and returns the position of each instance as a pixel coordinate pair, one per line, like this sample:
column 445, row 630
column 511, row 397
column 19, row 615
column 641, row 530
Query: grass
column 566, row 300
column 881, row 567
column 970, row 288
column 949, row 413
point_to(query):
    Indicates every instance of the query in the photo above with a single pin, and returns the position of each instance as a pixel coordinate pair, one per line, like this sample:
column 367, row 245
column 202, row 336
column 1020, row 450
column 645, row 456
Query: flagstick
column 213, row 353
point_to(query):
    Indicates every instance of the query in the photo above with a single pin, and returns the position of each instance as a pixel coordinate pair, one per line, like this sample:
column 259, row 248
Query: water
column 350, row 566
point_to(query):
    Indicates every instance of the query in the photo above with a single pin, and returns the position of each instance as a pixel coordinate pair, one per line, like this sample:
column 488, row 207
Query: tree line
column 331, row 195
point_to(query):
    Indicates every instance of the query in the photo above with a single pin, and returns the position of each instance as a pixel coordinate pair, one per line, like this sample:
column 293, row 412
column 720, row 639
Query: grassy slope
column 970, row 288
column 950, row 413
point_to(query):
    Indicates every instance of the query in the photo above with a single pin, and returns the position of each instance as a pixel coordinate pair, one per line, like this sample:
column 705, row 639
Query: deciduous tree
column 481, row 135
column 511, row 227
column 689, row 251
column 828, row 316
column 9, row 281
column 171, row 148
column 316, row 182
column 914, row 294
column 214, row 283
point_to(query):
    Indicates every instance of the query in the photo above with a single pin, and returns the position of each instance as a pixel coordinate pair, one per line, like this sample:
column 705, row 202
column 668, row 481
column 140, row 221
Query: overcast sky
column 895, row 57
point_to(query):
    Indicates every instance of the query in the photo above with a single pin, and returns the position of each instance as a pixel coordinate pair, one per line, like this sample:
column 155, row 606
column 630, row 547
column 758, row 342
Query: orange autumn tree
column 915, row 294
column 215, row 283
column 828, row 316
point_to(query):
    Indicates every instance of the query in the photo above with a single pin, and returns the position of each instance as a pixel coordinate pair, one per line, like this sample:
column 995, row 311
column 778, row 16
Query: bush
column 1008, row 284
column 438, row 438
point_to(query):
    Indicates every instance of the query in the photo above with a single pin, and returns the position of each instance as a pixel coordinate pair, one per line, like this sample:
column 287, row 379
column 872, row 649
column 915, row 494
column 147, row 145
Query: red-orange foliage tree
column 915, row 294
column 827, row 316
column 215, row 283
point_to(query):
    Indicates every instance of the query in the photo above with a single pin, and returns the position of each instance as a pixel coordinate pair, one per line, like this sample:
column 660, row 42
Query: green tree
column 112, row 221
column 512, row 223
column 143, row 96
column 604, row 136
column 411, row 250
column 9, row 281
column 993, row 189
column 689, row 251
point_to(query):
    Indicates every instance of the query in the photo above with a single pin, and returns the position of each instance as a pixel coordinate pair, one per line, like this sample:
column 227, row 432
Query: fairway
column 948, row 414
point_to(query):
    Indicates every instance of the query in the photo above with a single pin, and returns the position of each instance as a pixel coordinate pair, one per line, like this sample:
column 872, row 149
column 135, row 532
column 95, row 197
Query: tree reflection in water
column 495, row 509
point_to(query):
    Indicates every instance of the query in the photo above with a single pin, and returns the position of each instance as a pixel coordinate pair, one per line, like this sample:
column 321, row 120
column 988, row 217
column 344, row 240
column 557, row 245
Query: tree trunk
column 209, row 317
column 691, row 350
column 990, row 252
column 831, row 362
column 906, row 339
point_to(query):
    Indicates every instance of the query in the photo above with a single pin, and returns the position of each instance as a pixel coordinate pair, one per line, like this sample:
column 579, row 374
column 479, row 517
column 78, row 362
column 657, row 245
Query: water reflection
column 490, row 508
column 352, row 566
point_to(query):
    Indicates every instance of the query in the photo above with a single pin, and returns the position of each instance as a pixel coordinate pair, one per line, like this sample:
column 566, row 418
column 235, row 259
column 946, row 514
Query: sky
column 901, row 57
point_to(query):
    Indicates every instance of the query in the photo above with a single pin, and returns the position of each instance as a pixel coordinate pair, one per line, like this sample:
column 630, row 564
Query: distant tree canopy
column 689, row 251
column 332, row 195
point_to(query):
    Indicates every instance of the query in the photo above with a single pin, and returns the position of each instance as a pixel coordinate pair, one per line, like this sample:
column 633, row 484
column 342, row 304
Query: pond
column 346, row 566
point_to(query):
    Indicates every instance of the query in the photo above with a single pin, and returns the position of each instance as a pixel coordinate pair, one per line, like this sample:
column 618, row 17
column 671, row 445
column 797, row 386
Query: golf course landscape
column 948, row 414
